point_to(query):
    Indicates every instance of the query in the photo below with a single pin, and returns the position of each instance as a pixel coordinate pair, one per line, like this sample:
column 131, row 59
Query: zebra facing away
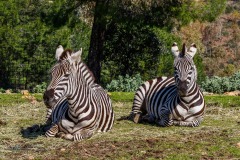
column 89, row 107
column 172, row 100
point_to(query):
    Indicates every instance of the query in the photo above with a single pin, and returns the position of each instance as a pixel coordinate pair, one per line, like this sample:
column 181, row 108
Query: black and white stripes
column 89, row 108
column 78, row 107
column 174, row 100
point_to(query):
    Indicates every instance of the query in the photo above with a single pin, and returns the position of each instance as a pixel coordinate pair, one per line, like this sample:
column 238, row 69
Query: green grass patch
column 6, row 99
column 122, row 96
column 211, row 100
column 216, row 138
column 222, row 100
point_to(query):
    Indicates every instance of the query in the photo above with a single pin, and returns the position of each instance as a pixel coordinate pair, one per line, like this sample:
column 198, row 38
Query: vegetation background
column 125, row 42
column 128, row 38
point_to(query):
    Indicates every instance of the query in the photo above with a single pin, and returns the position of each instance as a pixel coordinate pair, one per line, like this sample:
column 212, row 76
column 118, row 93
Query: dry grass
column 216, row 138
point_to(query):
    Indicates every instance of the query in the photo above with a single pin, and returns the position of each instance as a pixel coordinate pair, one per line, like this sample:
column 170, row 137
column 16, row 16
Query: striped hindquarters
column 106, row 117
column 144, row 93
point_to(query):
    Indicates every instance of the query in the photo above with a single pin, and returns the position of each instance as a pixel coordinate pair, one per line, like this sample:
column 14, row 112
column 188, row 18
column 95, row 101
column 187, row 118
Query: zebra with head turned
column 174, row 100
column 89, row 106
column 61, row 68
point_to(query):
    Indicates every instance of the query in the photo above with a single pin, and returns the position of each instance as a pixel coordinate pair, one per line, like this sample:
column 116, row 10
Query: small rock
column 30, row 157
column 8, row 91
column 207, row 93
column 233, row 93
column 33, row 102
column 25, row 92
column 238, row 144
column 3, row 123
column 62, row 149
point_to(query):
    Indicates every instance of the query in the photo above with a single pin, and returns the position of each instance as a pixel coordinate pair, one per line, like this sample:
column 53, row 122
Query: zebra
column 169, row 101
column 89, row 107
column 57, row 71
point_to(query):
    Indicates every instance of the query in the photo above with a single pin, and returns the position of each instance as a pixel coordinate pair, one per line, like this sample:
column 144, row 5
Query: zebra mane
column 65, row 54
column 89, row 71
column 183, row 50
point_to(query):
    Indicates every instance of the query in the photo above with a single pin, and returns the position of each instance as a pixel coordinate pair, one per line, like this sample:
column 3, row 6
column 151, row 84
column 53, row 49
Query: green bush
column 40, row 88
column 125, row 84
column 2, row 90
column 222, row 84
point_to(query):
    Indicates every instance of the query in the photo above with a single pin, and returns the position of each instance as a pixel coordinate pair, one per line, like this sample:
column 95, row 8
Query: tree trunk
column 97, row 39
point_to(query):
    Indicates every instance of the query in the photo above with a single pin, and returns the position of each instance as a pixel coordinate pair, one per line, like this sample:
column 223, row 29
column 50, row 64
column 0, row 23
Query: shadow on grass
column 124, row 118
column 34, row 131
column 143, row 120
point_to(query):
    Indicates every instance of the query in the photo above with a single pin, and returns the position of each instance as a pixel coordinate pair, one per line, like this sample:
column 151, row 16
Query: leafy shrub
column 40, row 88
column 2, row 90
column 125, row 84
column 222, row 84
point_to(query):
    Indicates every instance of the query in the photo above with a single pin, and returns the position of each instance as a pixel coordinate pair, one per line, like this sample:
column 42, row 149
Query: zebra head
column 61, row 68
column 185, row 72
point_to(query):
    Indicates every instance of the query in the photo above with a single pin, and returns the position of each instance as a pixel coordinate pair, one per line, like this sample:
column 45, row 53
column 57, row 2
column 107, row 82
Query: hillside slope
column 218, row 42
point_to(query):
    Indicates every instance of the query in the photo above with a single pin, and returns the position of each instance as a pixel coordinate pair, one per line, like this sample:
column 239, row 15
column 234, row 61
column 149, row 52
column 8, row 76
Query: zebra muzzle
column 182, row 87
column 48, row 98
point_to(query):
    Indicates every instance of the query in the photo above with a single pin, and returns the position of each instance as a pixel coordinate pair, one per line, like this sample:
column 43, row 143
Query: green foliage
column 40, row 88
column 222, row 84
column 130, row 49
column 125, row 84
column 137, row 41
column 200, row 68
column 165, row 65
column 211, row 10
column 30, row 31
column 2, row 90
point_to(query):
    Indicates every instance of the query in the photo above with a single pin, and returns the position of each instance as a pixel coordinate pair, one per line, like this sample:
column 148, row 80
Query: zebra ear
column 59, row 52
column 175, row 50
column 192, row 50
column 76, row 57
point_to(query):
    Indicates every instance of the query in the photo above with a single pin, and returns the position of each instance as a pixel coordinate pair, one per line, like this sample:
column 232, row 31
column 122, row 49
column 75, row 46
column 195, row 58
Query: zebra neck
column 80, row 99
column 86, row 73
column 193, row 91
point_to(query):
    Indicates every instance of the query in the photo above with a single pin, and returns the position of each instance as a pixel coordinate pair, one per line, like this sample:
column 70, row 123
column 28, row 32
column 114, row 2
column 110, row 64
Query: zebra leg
column 68, row 137
column 135, row 117
column 52, row 131
column 165, row 120
column 148, row 118
column 84, row 134
column 194, row 123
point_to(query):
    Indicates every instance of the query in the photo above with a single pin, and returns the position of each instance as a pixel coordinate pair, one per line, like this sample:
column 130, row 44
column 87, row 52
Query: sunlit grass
column 216, row 138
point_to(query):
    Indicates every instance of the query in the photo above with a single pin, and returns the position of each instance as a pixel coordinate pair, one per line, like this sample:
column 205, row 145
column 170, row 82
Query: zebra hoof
column 68, row 137
column 60, row 135
column 137, row 118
